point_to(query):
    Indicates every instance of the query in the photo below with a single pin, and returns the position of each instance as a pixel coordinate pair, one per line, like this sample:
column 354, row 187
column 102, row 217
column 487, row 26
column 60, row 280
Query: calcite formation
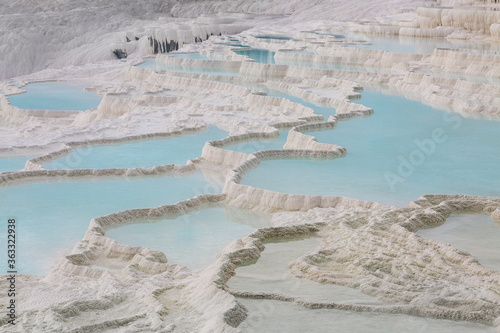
column 103, row 285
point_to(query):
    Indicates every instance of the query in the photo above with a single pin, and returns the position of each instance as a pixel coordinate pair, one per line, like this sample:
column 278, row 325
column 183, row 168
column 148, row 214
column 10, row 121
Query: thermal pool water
column 475, row 234
column 144, row 153
column 52, row 217
column 55, row 96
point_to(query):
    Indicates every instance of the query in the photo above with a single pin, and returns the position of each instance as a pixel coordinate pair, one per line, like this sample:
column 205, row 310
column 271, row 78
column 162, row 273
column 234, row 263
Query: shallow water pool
column 404, row 150
column 12, row 164
column 55, row 96
column 189, row 55
column 478, row 235
column 174, row 150
column 193, row 240
column 52, row 217
column 152, row 64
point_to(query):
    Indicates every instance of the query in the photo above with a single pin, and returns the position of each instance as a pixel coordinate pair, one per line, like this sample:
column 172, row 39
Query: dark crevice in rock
column 120, row 54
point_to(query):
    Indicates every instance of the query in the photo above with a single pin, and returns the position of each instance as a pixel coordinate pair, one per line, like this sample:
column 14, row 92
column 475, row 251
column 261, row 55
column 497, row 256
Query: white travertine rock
column 495, row 31
column 106, row 286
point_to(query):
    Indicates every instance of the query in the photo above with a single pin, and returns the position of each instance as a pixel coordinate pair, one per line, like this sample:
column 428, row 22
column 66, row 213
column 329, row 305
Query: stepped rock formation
column 102, row 285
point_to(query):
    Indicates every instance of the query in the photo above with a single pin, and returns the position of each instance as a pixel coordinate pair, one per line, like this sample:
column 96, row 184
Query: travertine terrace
column 105, row 286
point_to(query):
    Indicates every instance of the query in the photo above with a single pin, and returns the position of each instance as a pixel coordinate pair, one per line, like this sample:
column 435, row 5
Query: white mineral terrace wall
column 12, row 116
column 201, row 293
column 196, row 63
column 481, row 101
column 474, row 20
column 410, row 29
column 483, row 64
column 170, row 39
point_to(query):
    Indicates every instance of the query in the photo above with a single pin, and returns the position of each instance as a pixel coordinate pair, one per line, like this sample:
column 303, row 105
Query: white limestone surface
column 110, row 287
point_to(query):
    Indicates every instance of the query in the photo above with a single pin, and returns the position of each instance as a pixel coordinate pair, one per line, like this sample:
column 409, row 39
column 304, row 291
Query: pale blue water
column 193, row 240
column 473, row 78
column 274, row 37
column 52, row 217
column 230, row 44
column 55, row 96
column 326, row 65
column 475, row 234
column 152, row 64
column 271, row 273
column 174, row 150
column 264, row 144
column 276, row 316
column 394, row 157
column 12, row 164
column 259, row 55
column 415, row 45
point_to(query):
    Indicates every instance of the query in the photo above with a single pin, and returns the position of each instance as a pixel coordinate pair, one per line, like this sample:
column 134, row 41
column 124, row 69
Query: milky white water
column 478, row 235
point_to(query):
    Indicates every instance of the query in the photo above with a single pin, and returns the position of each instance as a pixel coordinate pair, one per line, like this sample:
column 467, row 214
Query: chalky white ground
column 106, row 286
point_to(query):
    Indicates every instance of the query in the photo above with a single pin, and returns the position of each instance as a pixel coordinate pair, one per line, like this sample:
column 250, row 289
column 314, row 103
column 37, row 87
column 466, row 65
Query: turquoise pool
column 55, row 96
column 193, row 240
column 404, row 150
column 259, row 55
column 52, row 217
column 12, row 164
column 145, row 153
column 276, row 316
